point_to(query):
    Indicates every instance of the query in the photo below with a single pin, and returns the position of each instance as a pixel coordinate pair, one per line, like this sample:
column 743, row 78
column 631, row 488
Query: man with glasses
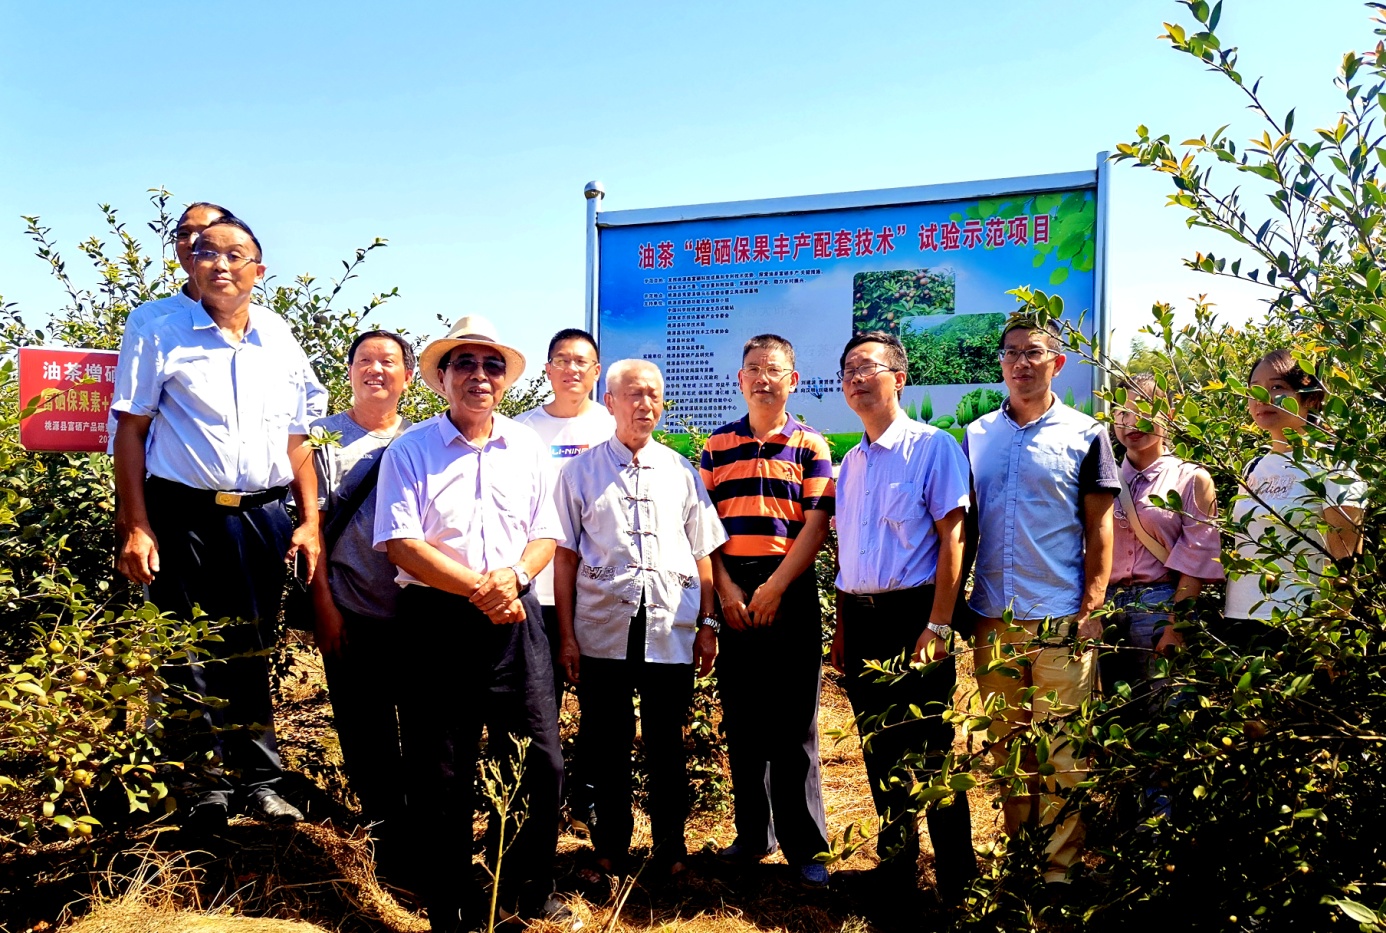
column 902, row 495
column 465, row 511
column 191, row 223
column 771, row 479
column 213, row 434
column 1044, row 480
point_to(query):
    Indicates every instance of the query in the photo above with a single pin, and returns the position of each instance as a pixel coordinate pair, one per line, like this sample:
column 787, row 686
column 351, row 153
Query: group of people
column 463, row 569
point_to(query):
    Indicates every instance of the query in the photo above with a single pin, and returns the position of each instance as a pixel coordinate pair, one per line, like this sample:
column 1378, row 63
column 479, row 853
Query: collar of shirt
column 1131, row 474
column 889, row 438
column 201, row 320
column 743, row 427
column 499, row 428
column 1049, row 413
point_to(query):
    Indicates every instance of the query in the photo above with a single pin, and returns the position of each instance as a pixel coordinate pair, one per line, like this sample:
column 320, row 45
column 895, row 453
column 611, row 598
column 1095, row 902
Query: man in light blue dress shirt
column 214, row 417
column 902, row 495
column 1044, row 479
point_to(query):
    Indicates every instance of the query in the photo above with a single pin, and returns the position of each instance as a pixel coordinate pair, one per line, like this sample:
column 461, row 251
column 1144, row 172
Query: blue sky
column 464, row 132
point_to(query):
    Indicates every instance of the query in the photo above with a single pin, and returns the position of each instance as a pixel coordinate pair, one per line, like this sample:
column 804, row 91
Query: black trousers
column 365, row 712
column 230, row 562
column 606, row 734
column 467, row 673
column 887, row 627
column 770, row 679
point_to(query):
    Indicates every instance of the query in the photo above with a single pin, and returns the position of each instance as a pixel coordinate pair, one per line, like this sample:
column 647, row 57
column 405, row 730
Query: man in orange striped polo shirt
column 771, row 479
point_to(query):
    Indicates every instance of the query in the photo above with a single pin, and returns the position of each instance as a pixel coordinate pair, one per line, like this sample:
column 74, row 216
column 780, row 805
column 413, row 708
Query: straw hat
column 475, row 329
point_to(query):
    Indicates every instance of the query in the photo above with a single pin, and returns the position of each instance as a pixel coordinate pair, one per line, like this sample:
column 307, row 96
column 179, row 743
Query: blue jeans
column 1145, row 615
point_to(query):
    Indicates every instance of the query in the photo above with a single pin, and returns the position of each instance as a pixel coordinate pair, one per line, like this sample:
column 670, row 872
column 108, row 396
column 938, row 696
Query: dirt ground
column 319, row 875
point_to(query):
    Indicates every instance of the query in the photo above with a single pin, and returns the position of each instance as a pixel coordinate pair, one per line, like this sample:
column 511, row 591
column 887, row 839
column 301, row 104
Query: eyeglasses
column 773, row 373
column 182, row 235
column 865, row 371
column 1034, row 355
column 233, row 260
column 576, row 364
column 466, row 365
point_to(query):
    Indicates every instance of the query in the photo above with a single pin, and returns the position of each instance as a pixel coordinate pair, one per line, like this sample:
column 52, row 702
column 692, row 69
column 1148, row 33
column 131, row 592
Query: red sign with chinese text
column 73, row 390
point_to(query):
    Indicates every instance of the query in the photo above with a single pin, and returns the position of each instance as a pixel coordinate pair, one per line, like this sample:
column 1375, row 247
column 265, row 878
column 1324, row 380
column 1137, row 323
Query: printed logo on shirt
column 564, row 451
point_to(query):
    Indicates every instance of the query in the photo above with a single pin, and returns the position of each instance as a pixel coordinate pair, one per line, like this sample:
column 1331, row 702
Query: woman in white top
column 1277, row 499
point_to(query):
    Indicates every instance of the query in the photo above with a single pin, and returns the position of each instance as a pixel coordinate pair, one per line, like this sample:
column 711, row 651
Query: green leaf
column 1361, row 913
column 1058, row 276
column 962, row 782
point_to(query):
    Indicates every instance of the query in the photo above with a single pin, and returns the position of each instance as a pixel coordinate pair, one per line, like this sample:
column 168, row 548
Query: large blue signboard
column 685, row 287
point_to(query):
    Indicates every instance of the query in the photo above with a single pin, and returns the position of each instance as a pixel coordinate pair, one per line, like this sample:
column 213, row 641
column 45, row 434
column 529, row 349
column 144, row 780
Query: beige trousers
column 1050, row 669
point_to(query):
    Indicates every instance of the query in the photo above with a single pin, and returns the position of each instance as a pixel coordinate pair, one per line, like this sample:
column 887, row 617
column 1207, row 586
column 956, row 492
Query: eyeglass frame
column 844, row 375
column 466, row 365
column 1049, row 354
column 211, row 257
column 581, row 367
column 756, row 372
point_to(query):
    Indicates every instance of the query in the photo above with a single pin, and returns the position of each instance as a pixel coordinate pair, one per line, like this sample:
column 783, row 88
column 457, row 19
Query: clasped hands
column 498, row 595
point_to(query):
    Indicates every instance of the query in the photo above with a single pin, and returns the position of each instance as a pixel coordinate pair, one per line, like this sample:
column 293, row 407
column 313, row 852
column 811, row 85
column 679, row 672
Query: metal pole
column 1102, row 321
column 593, row 192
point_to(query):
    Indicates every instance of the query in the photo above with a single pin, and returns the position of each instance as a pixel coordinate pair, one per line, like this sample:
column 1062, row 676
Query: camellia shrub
column 1249, row 797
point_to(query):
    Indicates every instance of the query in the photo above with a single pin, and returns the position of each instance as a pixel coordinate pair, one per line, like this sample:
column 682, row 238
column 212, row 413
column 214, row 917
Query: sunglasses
column 467, row 365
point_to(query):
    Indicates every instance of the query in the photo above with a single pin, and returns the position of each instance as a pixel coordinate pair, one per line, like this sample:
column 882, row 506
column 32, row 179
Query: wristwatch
column 521, row 579
column 942, row 631
column 712, row 623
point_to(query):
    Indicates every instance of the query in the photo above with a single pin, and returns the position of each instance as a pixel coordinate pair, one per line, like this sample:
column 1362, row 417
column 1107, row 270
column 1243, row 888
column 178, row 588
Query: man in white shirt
column 568, row 425
column 464, row 509
column 902, row 494
column 213, row 434
column 633, row 583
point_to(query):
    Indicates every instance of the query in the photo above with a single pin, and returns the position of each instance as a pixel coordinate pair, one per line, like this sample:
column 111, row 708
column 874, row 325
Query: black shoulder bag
column 298, row 601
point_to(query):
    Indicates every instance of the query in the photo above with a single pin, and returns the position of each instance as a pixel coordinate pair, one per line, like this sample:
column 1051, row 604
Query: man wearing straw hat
column 465, row 511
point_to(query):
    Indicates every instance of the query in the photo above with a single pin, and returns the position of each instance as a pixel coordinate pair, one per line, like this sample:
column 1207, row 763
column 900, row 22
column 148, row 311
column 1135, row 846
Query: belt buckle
column 228, row 499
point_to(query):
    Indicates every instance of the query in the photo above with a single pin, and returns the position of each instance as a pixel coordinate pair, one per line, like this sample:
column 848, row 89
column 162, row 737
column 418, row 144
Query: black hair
column 207, row 205
column 239, row 225
column 572, row 333
column 1027, row 322
column 1284, row 365
column 769, row 342
column 895, row 350
column 406, row 351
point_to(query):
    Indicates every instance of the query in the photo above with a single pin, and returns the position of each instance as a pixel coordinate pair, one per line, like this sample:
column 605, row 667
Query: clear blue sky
column 464, row 132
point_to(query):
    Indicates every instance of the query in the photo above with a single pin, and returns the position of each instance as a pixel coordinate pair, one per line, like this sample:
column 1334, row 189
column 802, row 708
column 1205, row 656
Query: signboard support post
column 1102, row 324
column 593, row 192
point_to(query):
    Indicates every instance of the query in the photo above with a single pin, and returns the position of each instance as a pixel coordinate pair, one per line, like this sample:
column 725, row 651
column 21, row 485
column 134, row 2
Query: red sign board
column 73, row 389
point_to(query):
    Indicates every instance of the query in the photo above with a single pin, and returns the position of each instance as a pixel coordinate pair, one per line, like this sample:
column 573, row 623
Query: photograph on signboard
column 686, row 294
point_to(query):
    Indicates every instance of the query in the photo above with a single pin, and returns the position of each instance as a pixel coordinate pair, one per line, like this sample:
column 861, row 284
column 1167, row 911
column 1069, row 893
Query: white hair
column 619, row 370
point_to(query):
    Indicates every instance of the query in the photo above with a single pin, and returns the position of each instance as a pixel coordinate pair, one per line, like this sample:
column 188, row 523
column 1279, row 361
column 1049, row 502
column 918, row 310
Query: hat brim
column 435, row 351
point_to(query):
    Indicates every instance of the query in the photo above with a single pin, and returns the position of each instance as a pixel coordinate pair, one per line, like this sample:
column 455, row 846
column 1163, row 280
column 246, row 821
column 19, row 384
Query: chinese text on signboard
column 72, row 388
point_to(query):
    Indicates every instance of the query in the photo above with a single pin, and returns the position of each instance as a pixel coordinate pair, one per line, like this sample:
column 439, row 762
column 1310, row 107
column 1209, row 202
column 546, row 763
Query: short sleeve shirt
column 762, row 490
column 890, row 492
column 565, row 439
column 1030, row 480
column 479, row 503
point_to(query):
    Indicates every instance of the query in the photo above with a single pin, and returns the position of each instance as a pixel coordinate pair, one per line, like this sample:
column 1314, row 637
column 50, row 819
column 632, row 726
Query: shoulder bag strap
column 1146, row 538
column 344, row 512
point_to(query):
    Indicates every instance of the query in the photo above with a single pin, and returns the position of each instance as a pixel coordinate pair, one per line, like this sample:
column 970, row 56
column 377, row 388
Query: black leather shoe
column 272, row 808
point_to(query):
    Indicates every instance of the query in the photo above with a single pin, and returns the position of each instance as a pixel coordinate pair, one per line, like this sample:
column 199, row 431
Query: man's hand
column 307, row 540
column 734, row 606
column 138, row 557
column 509, row 614
column 837, row 656
column 765, row 602
column 329, row 631
column 569, row 657
column 1089, row 629
column 497, row 589
column 705, row 650
column 930, row 647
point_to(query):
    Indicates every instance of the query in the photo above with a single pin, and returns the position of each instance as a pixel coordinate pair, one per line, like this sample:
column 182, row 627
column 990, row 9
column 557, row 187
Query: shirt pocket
column 902, row 509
